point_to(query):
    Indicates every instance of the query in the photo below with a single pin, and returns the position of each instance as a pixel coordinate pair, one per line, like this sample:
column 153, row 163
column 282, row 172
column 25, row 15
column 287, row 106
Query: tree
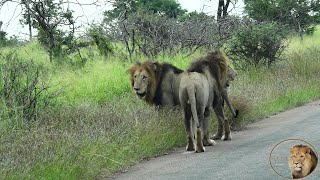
column 223, row 6
column 47, row 17
column 169, row 8
column 257, row 44
column 302, row 15
column 3, row 34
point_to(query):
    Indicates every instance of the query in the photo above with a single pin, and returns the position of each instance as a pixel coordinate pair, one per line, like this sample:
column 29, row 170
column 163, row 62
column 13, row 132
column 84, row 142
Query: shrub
column 23, row 88
column 258, row 44
column 103, row 43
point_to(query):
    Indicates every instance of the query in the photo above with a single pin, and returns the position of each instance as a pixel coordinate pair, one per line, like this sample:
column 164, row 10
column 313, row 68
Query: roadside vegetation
column 68, row 112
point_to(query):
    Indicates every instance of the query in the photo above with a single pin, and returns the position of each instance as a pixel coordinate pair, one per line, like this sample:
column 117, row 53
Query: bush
column 258, row 44
column 103, row 43
column 23, row 89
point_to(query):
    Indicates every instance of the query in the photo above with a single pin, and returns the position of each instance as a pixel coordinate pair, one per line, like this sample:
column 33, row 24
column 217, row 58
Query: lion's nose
column 296, row 163
column 136, row 89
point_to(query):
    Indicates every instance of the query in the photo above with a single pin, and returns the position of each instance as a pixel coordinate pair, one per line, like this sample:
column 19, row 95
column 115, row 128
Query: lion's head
column 144, row 78
column 231, row 75
column 216, row 63
column 302, row 161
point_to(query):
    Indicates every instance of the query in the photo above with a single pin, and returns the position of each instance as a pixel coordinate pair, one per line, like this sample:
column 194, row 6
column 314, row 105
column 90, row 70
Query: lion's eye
column 135, row 76
column 144, row 77
column 301, row 156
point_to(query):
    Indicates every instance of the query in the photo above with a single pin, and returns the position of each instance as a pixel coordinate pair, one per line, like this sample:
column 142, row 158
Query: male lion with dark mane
column 302, row 161
column 156, row 83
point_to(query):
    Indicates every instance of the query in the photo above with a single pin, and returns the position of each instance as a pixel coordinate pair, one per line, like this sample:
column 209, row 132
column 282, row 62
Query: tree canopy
column 300, row 14
column 170, row 8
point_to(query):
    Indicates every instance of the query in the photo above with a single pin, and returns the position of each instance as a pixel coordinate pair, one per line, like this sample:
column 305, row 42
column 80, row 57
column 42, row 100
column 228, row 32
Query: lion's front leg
column 219, row 132
column 227, row 133
column 221, row 119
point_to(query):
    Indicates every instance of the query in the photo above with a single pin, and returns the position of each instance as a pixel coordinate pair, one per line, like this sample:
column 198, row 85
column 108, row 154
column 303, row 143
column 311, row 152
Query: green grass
column 98, row 127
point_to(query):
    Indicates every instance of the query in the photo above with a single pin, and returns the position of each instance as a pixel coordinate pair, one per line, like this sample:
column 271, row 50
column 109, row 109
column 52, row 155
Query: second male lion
column 195, row 96
column 214, row 67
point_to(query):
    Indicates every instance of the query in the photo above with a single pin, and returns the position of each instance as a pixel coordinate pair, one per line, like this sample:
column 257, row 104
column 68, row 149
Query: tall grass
column 98, row 127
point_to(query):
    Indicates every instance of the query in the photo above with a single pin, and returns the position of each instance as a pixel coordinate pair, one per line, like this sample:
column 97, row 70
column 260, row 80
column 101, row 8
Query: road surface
column 246, row 156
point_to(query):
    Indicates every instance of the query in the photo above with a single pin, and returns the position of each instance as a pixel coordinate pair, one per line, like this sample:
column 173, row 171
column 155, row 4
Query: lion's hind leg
column 189, row 128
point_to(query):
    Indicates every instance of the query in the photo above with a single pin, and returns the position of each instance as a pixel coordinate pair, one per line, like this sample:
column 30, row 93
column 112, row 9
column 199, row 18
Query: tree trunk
column 220, row 9
column 29, row 20
column 300, row 32
column 223, row 9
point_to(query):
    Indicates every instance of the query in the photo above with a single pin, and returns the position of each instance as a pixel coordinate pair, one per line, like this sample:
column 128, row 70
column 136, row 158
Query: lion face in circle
column 302, row 161
column 297, row 160
column 140, row 83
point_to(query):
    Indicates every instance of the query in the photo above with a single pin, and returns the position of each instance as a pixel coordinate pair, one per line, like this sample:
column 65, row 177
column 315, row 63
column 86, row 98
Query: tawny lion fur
column 196, row 95
column 302, row 161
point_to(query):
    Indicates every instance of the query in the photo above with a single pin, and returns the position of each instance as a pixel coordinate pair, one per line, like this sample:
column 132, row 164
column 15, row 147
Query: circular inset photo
column 293, row 159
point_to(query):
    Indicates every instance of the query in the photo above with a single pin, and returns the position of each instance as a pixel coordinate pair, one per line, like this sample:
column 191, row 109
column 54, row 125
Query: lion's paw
column 216, row 137
column 209, row 142
column 200, row 149
column 190, row 147
column 226, row 137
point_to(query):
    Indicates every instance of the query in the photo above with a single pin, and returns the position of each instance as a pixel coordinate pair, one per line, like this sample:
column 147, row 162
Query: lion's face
column 297, row 159
column 140, row 83
column 143, row 79
column 231, row 74
column 300, row 160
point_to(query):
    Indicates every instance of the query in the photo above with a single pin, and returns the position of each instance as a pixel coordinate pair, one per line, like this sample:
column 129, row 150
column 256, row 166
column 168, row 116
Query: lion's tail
column 192, row 99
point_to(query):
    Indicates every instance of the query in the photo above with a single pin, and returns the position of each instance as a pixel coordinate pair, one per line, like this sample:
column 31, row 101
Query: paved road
column 245, row 157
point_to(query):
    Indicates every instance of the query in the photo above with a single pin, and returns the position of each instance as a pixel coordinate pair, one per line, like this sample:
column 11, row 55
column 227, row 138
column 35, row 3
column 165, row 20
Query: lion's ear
column 155, row 66
column 308, row 150
column 291, row 149
column 132, row 69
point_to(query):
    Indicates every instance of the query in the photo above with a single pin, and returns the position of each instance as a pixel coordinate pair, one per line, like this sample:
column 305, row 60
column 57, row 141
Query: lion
column 158, row 84
column 302, row 161
column 195, row 95
column 214, row 67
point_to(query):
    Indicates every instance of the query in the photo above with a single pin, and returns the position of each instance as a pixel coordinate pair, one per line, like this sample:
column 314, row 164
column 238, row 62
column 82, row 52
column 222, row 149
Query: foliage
column 302, row 15
column 48, row 17
column 103, row 43
column 258, row 43
column 144, row 33
column 4, row 41
column 124, row 8
column 23, row 89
